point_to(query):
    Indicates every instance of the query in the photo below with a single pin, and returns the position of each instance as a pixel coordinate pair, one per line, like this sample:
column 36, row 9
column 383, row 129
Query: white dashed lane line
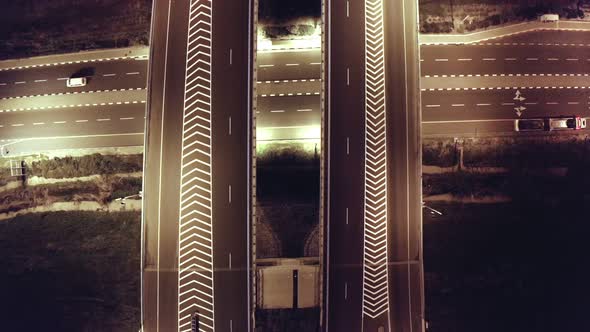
column 291, row 64
column 20, row 82
column 315, row 63
column 483, row 104
column 108, row 75
column 305, row 110
column 129, row 118
column 80, row 121
column 507, row 104
column 572, row 59
column 432, row 105
column 489, row 59
column 101, row 120
column 62, row 78
column 263, row 66
column 38, row 123
column 59, row 122
column 532, row 59
column 531, row 103
column 464, row 59
column 458, row 105
column 133, row 73
column 278, row 111
column 510, row 59
column 552, row 103
column 553, row 59
column 38, row 81
column 441, row 59
column 18, row 124
column 572, row 103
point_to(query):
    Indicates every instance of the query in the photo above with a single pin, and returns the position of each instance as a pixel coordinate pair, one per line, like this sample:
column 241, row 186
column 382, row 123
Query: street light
column 433, row 211
column 122, row 199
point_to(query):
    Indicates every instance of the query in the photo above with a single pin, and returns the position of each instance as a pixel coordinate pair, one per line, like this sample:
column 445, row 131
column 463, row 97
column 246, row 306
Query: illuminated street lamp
column 433, row 211
column 122, row 199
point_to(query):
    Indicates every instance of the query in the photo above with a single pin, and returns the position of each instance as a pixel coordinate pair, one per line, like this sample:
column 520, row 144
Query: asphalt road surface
column 101, row 75
column 197, row 189
column 346, row 220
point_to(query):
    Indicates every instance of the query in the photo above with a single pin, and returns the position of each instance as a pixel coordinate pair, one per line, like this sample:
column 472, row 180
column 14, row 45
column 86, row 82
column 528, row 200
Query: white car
column 76, row 82
column 567, row 123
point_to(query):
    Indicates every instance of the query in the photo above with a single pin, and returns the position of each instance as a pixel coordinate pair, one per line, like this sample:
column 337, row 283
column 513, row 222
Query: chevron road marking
column 195, row 249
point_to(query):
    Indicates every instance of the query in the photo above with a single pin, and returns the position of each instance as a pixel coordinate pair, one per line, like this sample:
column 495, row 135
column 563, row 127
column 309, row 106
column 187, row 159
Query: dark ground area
column 70, row 271
column 273, row 11
column 288, row 188
column 288, row 320
column 520, row 266
column 41, row 27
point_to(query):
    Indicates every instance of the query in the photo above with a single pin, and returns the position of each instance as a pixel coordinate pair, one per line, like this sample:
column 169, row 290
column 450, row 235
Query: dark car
column 538, row 124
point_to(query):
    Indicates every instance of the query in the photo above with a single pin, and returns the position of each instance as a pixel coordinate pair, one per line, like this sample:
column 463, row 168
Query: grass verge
column 70, row 271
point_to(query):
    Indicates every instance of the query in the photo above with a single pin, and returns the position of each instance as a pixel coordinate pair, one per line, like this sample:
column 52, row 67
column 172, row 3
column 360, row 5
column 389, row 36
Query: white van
column 76, row 82
column 549, row 18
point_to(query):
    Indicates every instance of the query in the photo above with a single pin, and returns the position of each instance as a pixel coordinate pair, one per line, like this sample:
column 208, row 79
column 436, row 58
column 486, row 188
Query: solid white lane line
column 532, row 59
column 464, row 59
column 37, row 81
column 441, row 59
column 483, row 104
column 109, row 75
column 305, row 110
column 489, row 59
column 507, row 104
column 457, row 105
column 133, row 73
column 432, row 105
column 18, row 124
column 278, row 111
column 266, row 66
column 81, row 121
column 510, row 59
column 38, row 123
column 470, row 121
column 59, row 122
column 20, row 82
column 291, row 64
column 129, row 118
column 103, row 120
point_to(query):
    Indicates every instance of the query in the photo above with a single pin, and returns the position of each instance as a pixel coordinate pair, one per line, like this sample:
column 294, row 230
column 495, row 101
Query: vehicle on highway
column 549, row 18
column 75, row 82
column 538, row 124
column 567, row 123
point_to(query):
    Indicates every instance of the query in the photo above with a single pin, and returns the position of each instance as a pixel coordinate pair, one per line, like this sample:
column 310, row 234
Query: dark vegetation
column 103, row 191
column 510, row 152
column 273, row 11
column 70, row 271
column 507, row 267
column 41, row 27
column 482, row 15
column 68, row 167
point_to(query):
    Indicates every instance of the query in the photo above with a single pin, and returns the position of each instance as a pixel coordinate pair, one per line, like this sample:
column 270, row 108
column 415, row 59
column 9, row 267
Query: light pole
column 122, row 199
column 433, row 211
